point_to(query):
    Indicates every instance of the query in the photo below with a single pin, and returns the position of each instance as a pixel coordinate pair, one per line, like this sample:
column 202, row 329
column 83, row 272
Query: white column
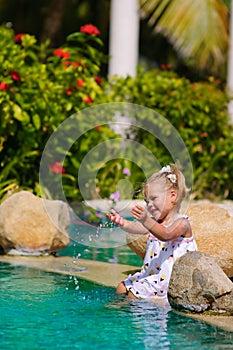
column 124, row 37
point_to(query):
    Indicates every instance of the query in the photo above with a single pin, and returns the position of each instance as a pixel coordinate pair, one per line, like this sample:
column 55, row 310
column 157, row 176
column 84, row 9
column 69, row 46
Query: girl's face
column 160, row 200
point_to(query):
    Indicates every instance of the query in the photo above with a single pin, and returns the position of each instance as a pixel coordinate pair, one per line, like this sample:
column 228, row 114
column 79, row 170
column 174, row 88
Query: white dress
column 153, row 280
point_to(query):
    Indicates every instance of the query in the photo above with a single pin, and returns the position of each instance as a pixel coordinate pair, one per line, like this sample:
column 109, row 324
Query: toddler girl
column 170, row 234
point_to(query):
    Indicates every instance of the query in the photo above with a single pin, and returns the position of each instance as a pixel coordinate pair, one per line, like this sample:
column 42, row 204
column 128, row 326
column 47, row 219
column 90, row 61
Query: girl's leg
column 131, row 295
column 122, row 290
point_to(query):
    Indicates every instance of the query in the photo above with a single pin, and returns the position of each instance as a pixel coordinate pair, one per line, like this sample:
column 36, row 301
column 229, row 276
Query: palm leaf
column 197, row 29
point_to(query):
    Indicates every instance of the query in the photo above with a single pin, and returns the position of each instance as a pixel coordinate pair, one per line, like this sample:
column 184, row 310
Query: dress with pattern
column 153, row 280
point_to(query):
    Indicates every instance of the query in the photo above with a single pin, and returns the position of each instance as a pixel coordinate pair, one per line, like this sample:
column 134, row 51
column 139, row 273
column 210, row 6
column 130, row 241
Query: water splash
column 73, row 283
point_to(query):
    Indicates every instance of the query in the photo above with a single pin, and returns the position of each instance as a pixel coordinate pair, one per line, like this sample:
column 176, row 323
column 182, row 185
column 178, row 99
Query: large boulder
column 198, row 284
column 30, row 225
column 212, row 226
column 213, row 230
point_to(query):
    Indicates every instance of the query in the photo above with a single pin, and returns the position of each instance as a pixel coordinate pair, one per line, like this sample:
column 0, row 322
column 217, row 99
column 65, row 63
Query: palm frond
column 197, row 29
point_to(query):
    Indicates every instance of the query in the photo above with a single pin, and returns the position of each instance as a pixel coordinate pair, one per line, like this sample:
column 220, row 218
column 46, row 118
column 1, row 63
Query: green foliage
column 198, row 111
column 41, row 87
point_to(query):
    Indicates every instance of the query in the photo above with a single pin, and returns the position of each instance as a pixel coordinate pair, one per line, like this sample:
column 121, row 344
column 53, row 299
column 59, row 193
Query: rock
column 137, row 243
column 198, row 284
column 212, row 226
column 30, row 225
column 213, row 231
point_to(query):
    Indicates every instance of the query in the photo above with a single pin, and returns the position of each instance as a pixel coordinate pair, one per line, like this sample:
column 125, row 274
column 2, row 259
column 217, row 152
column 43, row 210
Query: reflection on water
column 159, row 327
column 147, row 320
column 153, row 321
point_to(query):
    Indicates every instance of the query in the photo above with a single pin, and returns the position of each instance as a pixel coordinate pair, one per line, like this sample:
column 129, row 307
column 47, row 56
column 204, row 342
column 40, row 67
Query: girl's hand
column 139, row 213
column 115, row 218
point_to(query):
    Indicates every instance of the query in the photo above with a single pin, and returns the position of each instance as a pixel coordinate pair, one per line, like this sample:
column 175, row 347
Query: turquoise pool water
column 109, row 245
column 41, row 310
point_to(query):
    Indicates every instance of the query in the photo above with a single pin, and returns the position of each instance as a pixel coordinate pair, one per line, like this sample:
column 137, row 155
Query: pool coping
column 107, row 274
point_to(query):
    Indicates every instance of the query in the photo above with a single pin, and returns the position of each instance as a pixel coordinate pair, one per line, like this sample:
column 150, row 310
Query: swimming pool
column 43, row 310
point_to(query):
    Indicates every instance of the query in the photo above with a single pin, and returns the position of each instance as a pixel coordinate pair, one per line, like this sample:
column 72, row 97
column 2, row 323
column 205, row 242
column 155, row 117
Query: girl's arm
column 126, row 225
column 180, row 227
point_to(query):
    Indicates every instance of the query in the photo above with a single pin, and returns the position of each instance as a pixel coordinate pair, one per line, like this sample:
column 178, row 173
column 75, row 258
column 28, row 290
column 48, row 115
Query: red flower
column 203, row 134
column 66, row 64
column 4, row 86
column 70, row 63
column 68, row 92
column 18, row 37
column 61, row 53
column 182, row 124
column 87, row 99
column 80, row 82
column 98, row 80
column 89, row 29
column 165, row 66
column 15, row 76
column 77, row 64
column 57, row 168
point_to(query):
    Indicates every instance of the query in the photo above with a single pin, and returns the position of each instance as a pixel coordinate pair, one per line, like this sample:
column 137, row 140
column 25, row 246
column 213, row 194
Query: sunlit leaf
column 18, row 112
column 36, row 121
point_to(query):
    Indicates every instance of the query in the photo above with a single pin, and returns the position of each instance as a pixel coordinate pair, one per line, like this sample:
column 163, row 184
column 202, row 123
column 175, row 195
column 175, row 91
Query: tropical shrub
column 39, row 88
column 199, row 113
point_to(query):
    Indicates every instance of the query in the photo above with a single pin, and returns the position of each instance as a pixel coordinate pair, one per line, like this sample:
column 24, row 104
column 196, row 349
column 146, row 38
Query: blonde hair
column 173, row 178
